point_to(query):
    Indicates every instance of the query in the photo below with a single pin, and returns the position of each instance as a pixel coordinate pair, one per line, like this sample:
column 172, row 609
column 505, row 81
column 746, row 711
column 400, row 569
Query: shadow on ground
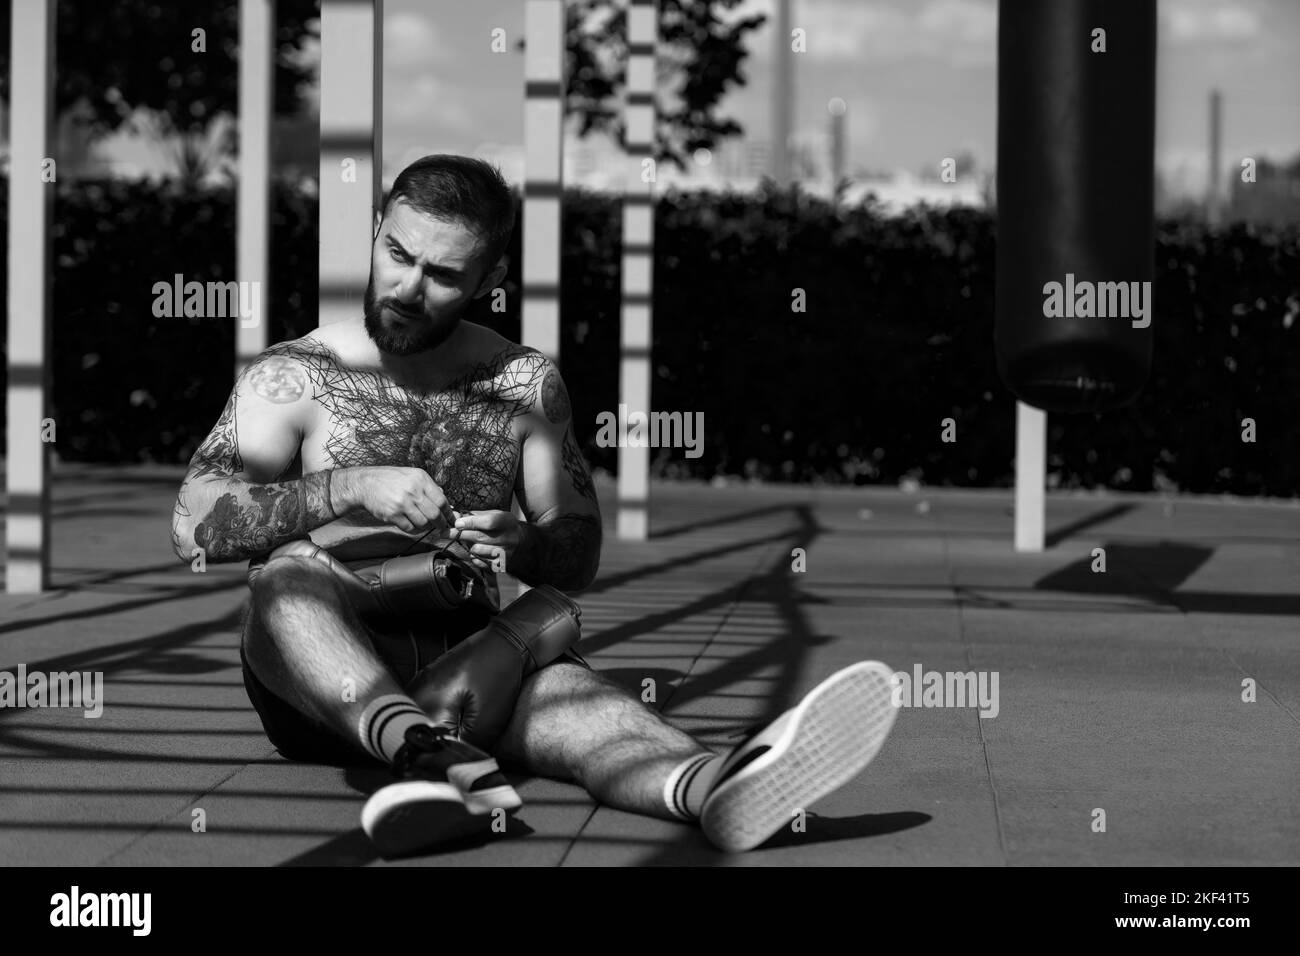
column 1158, row 571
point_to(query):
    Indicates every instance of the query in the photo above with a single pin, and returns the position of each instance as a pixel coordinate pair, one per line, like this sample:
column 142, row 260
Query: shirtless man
column 368, row 435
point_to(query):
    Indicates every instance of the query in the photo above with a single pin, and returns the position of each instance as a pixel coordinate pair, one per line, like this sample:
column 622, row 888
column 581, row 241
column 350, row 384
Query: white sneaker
column 805, row 754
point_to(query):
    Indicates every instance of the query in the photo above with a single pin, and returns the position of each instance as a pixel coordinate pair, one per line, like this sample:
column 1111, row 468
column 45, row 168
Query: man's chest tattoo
column 462, row 435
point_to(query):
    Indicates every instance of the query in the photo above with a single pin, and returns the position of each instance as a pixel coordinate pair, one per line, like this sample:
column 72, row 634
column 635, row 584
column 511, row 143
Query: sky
column 918, row 76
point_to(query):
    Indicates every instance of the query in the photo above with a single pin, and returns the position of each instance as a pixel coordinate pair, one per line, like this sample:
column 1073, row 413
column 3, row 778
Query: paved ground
column 1119, row 692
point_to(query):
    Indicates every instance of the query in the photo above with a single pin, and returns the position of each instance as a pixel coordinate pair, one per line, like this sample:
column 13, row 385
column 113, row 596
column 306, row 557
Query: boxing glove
column 440, row 580
column 409, row 584
column 472, row 688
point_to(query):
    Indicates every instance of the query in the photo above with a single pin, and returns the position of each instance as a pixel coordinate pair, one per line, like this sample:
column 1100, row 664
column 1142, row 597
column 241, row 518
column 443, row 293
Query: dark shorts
column 405, row 647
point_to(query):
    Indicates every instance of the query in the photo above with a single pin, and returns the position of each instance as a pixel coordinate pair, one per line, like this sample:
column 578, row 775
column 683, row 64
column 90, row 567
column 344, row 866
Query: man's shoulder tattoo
column 555, row 398
column 278, row 380
column 285, row 371
column 512, row 376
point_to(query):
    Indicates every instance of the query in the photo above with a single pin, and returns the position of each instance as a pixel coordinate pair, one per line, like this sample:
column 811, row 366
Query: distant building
column 902, row 189
column 1274, row 197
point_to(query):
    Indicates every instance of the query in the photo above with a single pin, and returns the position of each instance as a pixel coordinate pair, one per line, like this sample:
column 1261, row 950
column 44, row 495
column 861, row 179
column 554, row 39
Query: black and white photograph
column 652, row 433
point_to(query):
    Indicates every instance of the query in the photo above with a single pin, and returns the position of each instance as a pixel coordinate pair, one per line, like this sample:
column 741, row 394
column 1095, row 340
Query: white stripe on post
column 544, row 174
column 782, row 94
column 351, row 114
column 256, row 41
column 1031, row 476
column 636, row 318
column 27, row 524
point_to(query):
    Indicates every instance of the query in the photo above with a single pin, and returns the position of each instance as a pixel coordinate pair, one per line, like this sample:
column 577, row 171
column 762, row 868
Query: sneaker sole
column 415, row 814
column 836, row 730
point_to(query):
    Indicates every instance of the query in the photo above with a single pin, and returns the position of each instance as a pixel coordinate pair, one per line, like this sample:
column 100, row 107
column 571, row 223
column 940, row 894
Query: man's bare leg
column 308, row 646
column 572, row 724
column 304, row 640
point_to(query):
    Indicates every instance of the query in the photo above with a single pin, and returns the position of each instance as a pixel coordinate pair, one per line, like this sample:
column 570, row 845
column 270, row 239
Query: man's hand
column 492, row 537
column 404, row 497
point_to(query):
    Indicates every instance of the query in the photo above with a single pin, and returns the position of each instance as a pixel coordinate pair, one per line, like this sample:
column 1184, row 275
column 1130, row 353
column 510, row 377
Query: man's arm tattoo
column 246, row 519
column 575, row 466
column 218, row 457
column 563, row 552
column 555, row 399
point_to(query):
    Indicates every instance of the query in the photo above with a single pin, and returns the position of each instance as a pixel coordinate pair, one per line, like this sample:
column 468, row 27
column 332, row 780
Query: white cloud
column 1194, row 20
column 424, row 98
column 416, row 96
column 960, row 31
column 411, row 42
column 960, row 22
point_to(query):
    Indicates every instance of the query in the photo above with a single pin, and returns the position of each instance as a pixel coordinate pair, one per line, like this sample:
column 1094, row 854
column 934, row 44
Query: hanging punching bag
column 1075, row 200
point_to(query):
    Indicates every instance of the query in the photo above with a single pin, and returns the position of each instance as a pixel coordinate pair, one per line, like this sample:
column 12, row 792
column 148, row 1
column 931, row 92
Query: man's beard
column 419, row 336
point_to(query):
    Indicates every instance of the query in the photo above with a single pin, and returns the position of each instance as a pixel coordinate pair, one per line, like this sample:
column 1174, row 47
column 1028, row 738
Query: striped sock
column 384, row 723
column 689, row 783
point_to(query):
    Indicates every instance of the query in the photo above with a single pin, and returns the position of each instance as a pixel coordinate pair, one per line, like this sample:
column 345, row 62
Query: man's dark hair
column 460, row 189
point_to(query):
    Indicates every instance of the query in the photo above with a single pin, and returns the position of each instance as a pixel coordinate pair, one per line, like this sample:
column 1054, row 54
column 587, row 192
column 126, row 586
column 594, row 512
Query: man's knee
column 572, row 723
column 560, row 712
column 289, row 601
column 292, row 577
column 583, row 705
column 573, row 684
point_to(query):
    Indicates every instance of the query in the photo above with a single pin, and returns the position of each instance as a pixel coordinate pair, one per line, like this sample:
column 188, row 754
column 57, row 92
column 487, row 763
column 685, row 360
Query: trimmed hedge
column 897, row 335
column 130, row 387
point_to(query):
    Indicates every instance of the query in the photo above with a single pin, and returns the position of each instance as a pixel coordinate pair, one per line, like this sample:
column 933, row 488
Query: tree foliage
column 113, row 56
column 699, row 55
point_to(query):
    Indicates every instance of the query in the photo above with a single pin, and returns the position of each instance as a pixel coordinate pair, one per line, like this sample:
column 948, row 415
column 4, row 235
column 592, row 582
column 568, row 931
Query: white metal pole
column 1031, row 476
column 544, row 174
column 31, row 193
column 782, row 95
column 636, row 313
column 351, row 115
column 256, row 41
